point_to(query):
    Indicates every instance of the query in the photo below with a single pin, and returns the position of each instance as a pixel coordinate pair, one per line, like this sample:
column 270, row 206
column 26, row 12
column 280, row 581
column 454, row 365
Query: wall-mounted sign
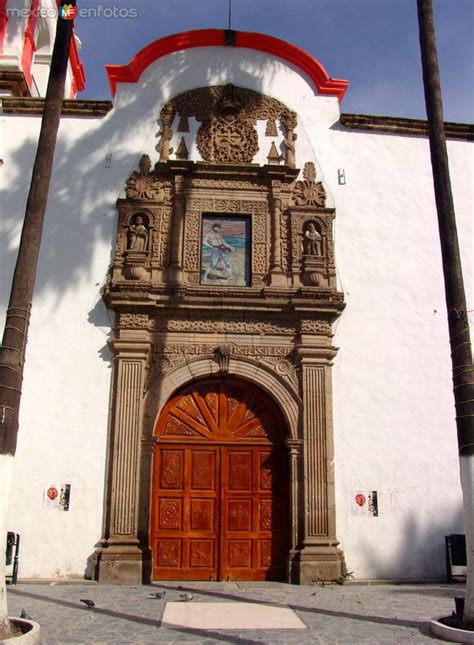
column 57, row 496
column 365, row 503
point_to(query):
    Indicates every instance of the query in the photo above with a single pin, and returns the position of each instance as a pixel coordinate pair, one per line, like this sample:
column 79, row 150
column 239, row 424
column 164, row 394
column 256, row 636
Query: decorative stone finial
column 309, row 192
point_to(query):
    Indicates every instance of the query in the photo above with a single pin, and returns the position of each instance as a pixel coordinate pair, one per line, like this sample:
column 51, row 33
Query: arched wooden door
column 219, row 507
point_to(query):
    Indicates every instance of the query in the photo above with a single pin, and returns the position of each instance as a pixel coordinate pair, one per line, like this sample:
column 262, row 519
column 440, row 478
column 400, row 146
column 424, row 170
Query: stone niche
column 178, row 323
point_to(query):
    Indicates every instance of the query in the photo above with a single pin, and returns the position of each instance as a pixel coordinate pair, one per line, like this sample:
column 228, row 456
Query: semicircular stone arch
column 281, row 393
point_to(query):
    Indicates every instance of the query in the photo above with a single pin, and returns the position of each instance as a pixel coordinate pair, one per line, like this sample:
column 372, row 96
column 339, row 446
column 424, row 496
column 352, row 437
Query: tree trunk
column 12, row 351
column 461, row 353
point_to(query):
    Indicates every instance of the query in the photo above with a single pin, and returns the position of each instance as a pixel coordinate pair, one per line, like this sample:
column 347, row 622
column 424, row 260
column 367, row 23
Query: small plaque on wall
column 365, row 503
column 57, row 496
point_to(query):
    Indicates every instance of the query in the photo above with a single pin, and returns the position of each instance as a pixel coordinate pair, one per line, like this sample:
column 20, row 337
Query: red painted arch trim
column 78, row 75
column 215, row 38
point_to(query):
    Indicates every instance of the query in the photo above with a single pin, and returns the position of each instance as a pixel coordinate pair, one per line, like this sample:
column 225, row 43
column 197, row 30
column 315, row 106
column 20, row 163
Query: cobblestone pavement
column 352, row 613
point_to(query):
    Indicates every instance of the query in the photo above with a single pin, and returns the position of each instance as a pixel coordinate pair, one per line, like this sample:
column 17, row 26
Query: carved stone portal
column 173, row 329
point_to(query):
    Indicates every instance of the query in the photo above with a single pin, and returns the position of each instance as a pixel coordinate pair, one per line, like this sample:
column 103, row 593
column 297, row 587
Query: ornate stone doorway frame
column 274, row 329
column 125, row 556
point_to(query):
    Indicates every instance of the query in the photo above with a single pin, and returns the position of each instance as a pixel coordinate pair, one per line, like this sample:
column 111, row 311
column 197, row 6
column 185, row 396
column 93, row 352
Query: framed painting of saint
column 225, row 250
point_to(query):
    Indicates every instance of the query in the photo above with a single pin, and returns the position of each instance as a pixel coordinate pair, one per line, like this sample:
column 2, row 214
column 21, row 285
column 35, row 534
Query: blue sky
column 371, row 43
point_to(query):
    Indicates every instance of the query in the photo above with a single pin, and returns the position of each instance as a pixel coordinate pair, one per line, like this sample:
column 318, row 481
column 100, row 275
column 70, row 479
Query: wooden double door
column 220, row 507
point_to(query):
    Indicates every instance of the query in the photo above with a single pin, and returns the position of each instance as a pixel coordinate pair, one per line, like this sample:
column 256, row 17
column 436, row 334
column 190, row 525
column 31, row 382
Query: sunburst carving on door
column 231, row 412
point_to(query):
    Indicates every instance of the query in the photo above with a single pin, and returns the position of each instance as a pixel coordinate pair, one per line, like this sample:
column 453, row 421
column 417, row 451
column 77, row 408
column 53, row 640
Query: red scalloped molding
column 216, row 38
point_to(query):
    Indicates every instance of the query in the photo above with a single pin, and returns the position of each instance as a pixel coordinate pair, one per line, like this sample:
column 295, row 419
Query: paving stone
column 372, row 614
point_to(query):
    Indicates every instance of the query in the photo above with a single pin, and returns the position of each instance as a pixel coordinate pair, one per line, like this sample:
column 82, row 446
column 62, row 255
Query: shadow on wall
column 81, row 214
column 420, row 553
column 81, row 219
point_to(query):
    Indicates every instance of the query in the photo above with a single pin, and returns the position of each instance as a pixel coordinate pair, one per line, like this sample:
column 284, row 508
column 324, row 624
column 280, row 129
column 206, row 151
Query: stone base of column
column 320, row 563
column 175, row 275
column 278, row 279
column 119, row 564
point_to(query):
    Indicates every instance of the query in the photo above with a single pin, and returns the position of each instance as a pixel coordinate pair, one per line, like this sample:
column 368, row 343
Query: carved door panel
column 254, row 511
column 185, row 511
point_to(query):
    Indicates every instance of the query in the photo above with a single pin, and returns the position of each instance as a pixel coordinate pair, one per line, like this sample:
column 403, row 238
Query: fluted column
column 320, row 557
column 120, row 559
column 315, row 454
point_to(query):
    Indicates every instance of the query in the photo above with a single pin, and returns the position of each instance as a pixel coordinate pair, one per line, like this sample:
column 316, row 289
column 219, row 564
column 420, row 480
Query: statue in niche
column 138, row 235
column 311, row 240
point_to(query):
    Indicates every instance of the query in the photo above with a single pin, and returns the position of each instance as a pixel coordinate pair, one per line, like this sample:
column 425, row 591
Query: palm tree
column 461, row 353
column 12, row 350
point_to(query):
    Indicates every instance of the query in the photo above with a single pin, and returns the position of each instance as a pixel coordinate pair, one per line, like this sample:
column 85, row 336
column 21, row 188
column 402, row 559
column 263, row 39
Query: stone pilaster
column 277, row 277
column 177, row 232
column 120, row 559
column 320, row 559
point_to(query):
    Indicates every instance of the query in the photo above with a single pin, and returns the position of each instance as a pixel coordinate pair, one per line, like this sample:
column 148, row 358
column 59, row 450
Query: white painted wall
column 393, row 409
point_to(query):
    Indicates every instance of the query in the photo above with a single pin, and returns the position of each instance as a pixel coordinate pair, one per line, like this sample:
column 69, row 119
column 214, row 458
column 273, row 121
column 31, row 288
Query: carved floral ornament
column 144, row 184
column 228, row 116
column 309, row 192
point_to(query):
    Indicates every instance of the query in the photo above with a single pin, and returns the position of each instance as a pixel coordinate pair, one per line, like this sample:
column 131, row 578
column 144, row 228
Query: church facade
column 238, row 366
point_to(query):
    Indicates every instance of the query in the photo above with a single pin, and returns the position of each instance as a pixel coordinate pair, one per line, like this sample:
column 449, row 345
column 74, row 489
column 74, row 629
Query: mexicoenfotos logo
column 67, row 11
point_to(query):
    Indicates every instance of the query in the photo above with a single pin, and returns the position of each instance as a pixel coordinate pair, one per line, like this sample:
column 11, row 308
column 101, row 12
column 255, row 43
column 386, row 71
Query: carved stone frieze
column 231, row 184
column 133, row 321
column 309, row 192
column 279, row 357
column 217, row 324
column 315, row 326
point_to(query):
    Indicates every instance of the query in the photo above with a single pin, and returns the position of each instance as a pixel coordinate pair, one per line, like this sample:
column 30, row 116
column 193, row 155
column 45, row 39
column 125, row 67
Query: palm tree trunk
column 461, row 353
column 12, row 350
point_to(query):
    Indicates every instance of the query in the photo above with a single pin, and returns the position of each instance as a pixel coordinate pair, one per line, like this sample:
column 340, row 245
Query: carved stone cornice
column 130, row 349
column 311, row 355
